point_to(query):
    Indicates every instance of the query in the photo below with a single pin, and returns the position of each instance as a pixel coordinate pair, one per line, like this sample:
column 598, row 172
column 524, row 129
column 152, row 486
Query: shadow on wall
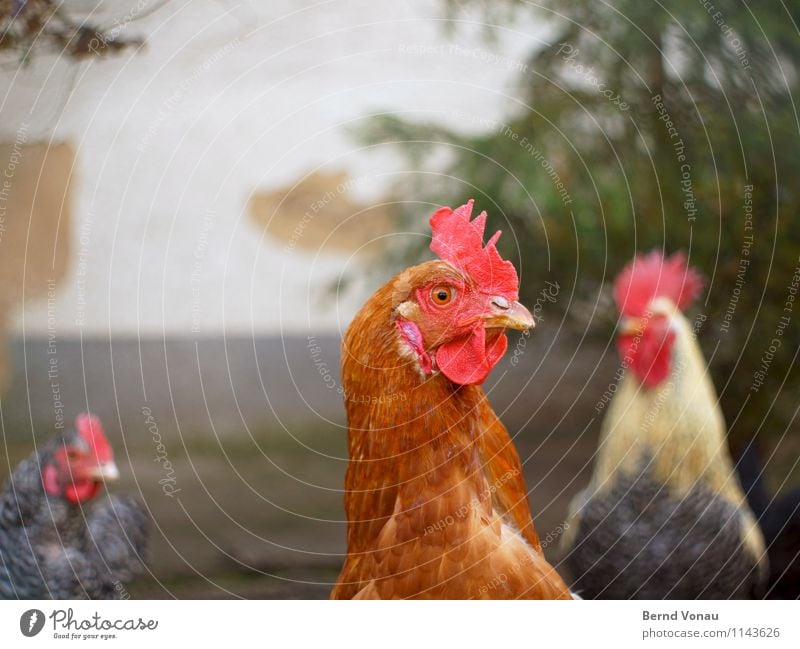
column 35, row 221
column 317, row 214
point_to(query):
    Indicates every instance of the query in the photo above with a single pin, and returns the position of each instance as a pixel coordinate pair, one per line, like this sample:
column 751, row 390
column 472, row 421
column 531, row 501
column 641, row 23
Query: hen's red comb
column 650, row 276
column 91, row 430
column 459, row 241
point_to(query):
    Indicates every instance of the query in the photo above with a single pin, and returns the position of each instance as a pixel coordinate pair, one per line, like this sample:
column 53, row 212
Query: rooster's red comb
column 650, row 276
column 90, row 429
column 459, row 241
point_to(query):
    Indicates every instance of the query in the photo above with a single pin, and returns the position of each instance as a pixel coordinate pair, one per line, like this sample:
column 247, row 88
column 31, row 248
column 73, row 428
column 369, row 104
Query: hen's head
column 81, row 462
column 451, row 314
column 649, row 292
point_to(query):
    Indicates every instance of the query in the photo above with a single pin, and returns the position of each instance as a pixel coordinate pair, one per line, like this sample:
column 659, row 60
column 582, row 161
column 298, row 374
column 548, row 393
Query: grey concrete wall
column 221, row 385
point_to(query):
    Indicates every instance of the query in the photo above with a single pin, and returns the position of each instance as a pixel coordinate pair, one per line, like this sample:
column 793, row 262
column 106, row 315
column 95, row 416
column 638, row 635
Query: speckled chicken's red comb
column 459, row 241
column 91, row 430
column 650, row 276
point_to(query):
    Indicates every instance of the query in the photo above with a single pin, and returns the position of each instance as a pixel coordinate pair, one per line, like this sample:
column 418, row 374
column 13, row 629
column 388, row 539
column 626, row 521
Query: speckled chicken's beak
column 107, row 472
column 508, row 315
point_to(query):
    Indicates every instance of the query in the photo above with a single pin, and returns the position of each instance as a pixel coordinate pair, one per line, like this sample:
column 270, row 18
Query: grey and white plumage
column 664, row 515
column 53, row 548
column 637, row 541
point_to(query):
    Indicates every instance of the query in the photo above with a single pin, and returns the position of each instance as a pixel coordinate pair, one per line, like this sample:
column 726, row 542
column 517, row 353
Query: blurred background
column 196, row 197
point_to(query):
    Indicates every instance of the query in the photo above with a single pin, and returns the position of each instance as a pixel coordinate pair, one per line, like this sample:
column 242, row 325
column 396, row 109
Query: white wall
column 226, row 98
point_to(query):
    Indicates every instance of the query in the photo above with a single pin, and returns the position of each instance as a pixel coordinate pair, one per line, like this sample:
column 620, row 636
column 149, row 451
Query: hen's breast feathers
column 504, row 474
column 448, row 516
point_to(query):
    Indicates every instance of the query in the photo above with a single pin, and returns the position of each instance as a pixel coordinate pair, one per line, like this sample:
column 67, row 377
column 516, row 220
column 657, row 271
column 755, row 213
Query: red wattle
column 467, row 360
column 649, row 357
column 81, row 491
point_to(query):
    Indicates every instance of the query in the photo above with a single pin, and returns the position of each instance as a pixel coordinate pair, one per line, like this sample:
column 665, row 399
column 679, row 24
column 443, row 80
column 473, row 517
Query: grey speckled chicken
column 55, row 542
column 664, row 515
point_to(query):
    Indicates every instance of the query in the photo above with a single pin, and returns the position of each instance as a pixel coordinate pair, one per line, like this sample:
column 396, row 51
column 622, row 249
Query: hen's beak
column 630, row 327
column 107, row 472
column 503, row 314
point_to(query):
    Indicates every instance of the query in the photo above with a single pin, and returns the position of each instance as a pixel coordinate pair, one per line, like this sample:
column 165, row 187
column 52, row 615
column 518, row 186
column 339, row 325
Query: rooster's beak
column 508, row 315
column 106, row 472
column 631, row 327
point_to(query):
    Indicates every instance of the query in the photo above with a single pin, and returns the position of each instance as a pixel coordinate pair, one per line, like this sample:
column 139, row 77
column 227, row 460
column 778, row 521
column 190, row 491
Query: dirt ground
column 263, row 518
column 285, row 539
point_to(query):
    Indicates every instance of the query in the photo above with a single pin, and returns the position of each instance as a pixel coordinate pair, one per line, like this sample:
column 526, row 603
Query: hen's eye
column 441, row 295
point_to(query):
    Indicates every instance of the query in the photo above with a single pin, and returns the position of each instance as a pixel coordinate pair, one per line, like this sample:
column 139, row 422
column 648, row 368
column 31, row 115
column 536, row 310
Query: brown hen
column 435, row 497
